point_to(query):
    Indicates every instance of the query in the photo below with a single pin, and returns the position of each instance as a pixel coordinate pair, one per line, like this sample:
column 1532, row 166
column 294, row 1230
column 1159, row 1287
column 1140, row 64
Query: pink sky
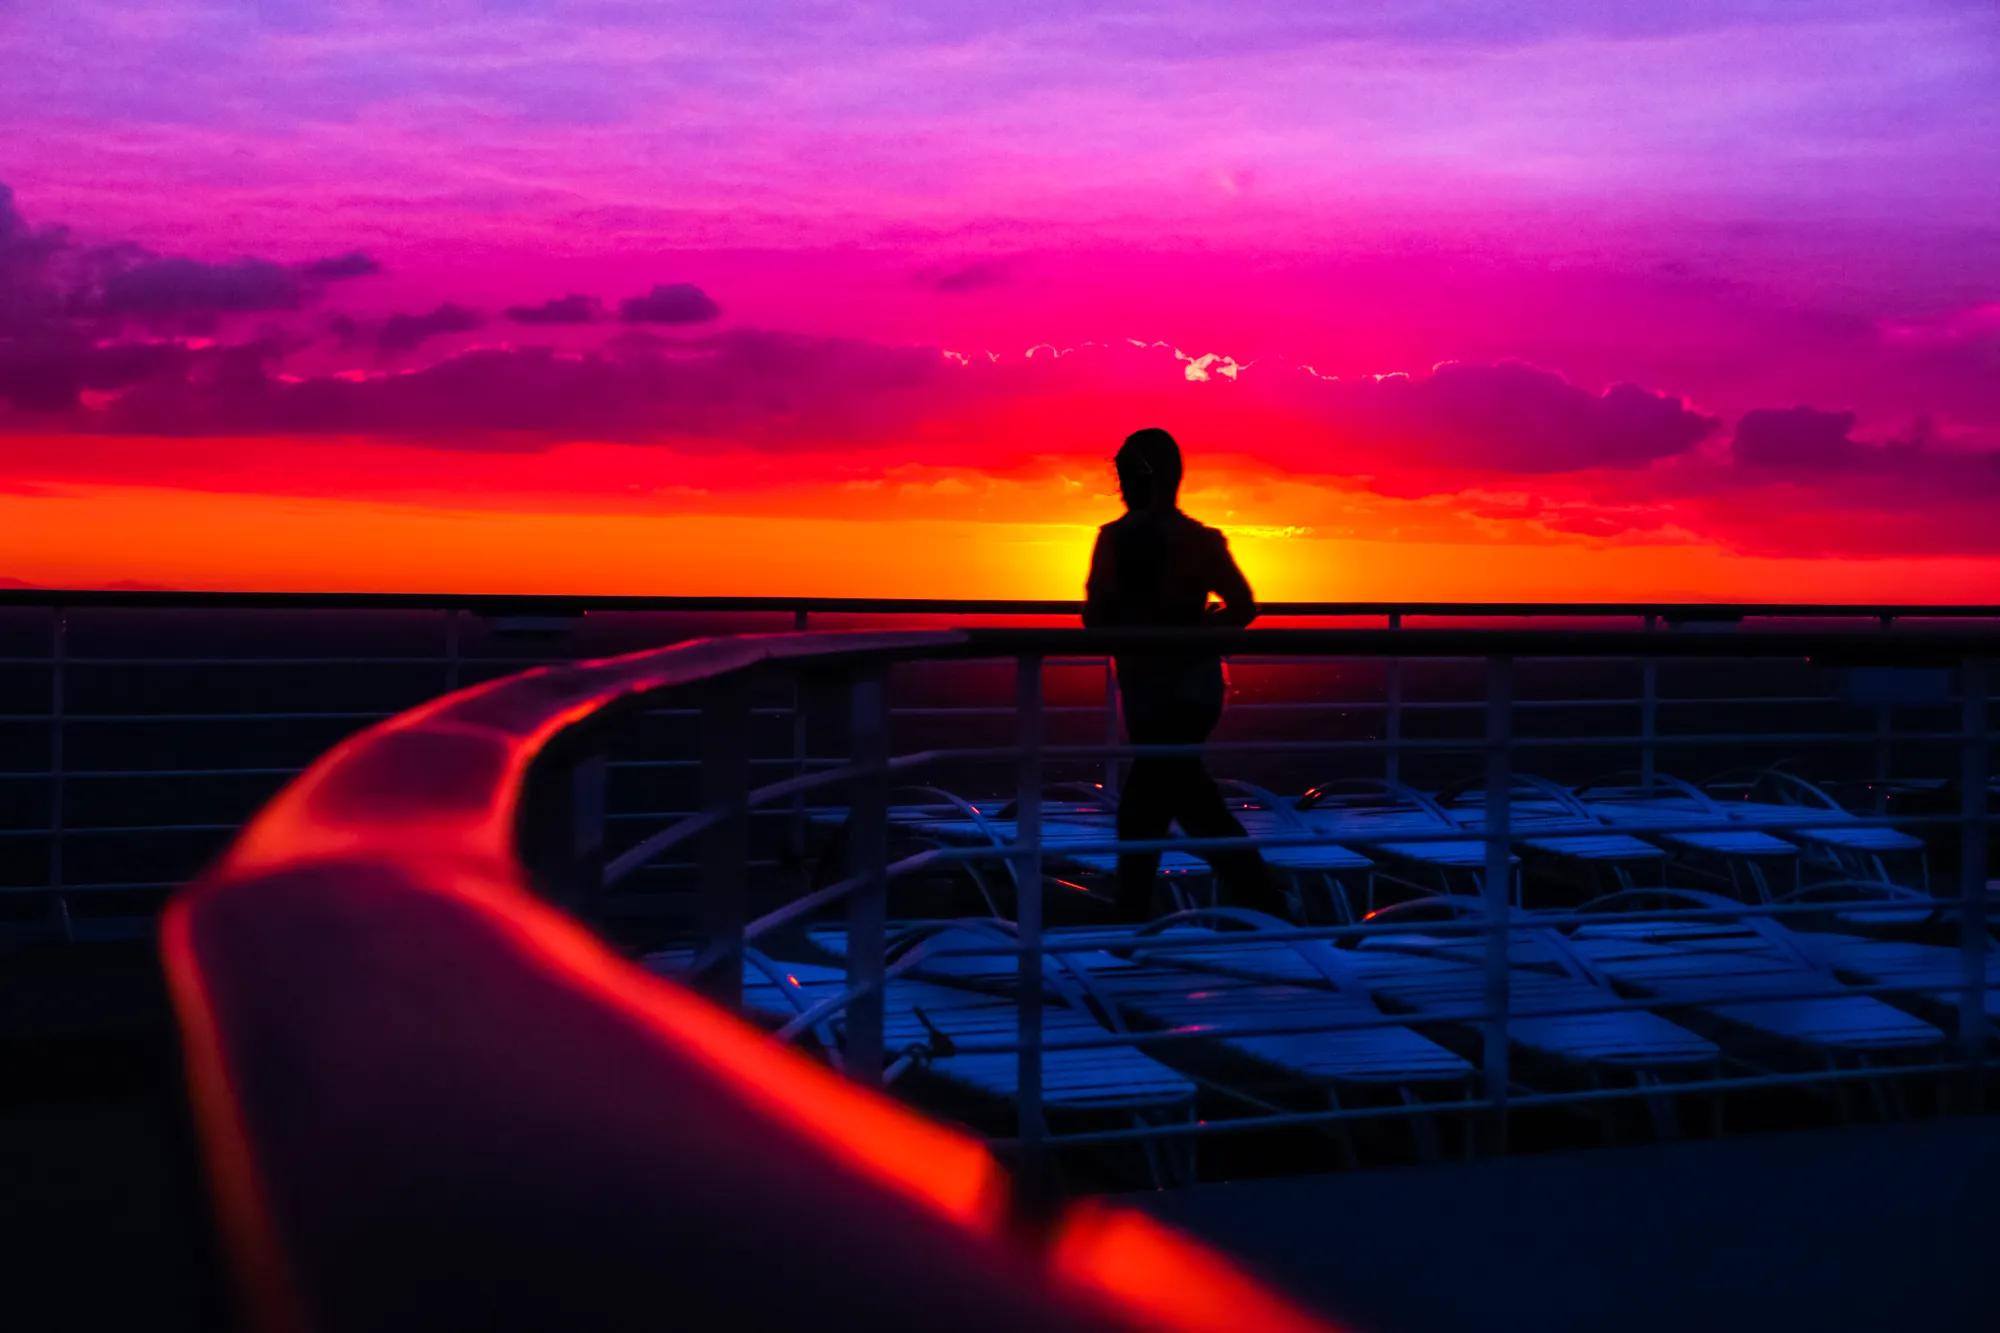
column 1712, row 281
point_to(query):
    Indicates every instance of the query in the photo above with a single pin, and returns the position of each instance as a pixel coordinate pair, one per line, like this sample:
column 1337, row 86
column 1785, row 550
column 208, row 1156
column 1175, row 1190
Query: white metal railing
column 871, row 868
column 149, row 856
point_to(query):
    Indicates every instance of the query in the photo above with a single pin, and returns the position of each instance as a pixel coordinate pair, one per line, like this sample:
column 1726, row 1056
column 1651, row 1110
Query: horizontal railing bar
column 127, row 718
column 634, row 816
column 1105, row 1039
column 1296, row 1119
column 130, row 886
column 1424, row 706
column 526, row 603
column 988, row 851
column 798, row 907
column 1519, row 921
column 435, row 660
column 1845, row 820
column 73, row 831
column 1107, row 750
column 108, row 774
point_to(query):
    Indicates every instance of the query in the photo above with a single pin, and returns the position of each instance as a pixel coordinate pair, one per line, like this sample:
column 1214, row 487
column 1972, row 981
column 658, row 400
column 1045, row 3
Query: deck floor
column 1865, row 1228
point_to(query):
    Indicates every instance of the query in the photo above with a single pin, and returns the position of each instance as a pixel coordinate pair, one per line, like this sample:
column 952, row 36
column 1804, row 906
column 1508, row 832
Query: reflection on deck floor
column 1865, row 1228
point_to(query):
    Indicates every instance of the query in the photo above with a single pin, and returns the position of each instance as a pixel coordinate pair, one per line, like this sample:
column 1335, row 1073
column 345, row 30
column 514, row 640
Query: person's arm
column 1239, row 605
column 1098, row 587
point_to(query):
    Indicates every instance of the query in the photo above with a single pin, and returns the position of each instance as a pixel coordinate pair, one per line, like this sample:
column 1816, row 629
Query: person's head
column 1149, row 469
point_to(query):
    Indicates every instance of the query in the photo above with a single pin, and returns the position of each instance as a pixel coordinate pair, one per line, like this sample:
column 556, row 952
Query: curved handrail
column 379, row 908
column 388, row 881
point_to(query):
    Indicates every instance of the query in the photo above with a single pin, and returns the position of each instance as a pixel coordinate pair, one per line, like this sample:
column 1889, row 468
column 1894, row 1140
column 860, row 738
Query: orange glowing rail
column 427, row 1099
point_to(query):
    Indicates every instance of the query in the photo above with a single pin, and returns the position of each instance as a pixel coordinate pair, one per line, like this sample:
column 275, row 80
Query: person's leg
column 1143, row 813
column 1197, row 804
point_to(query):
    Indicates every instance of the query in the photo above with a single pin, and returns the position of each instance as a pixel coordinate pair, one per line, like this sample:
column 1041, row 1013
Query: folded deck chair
column 1932, row 972
column 1316, row 1043
column 1749, row 858
column 1391, row 819
column 1545, row 818
column 1932, row 975
column 1826, row 830
column 1721, row 967
column 968, row 1038
column 1263, row 815
column 1056, row 835
column 1429, row 978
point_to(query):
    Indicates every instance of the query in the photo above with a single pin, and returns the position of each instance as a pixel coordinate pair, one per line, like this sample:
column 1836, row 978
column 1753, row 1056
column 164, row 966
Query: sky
column 1458, row 299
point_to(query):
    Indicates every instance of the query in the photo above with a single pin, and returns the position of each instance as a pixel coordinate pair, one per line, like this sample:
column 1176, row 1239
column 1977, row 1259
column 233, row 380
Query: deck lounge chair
column 1315, row 872
column 965, row 1037
column 1423, row 976
column 1394, row 820
column 1929, row 977
column 1720, row 968
column 1314, row 1048
column 1829, row 834
column 1547, row 819
column 1755, row 864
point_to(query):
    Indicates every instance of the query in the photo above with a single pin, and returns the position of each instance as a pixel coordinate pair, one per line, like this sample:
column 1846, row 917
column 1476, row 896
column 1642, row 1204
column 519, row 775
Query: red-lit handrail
column 428, row 1099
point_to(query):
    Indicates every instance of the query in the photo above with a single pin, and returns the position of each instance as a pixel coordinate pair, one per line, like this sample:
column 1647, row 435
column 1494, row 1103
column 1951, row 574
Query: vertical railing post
column 1496, row 891
column 1028, row 721
column 797, row 827
column 453, row 650
column 58, row 704
column 867, row 860
column 587, row 781
column 722, row 857
column 1392, row 726
column 1884, row 766
column 1110, row 730
column 1975, row 758
column 1649, row 720
column 565, row 840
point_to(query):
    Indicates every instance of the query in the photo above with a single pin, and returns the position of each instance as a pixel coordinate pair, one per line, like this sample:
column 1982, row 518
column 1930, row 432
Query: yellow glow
column 90, row 536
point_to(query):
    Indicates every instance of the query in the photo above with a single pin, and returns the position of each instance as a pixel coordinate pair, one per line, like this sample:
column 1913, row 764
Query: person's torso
column 1166, row 567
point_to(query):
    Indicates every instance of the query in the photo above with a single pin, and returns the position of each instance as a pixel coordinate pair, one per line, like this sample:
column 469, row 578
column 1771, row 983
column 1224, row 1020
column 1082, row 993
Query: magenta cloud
column 404, row 333
column 1599, row 457
column 669, row 303
column 572, row 309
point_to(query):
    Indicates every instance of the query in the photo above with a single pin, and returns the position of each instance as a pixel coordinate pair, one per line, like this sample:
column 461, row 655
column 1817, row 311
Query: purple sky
column 1742, row 209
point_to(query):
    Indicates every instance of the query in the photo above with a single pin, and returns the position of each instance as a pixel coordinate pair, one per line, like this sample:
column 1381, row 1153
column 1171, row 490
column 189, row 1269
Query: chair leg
column 1156, row 1166
column 1603, row 1113
column 1423, row 1129
column 1666, row 1125
column 1878, row 1096
column 1185, row 1160
column 1343, row 1132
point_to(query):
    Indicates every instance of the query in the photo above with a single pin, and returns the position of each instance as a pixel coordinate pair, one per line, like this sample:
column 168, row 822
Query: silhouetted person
column 1155, row 568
